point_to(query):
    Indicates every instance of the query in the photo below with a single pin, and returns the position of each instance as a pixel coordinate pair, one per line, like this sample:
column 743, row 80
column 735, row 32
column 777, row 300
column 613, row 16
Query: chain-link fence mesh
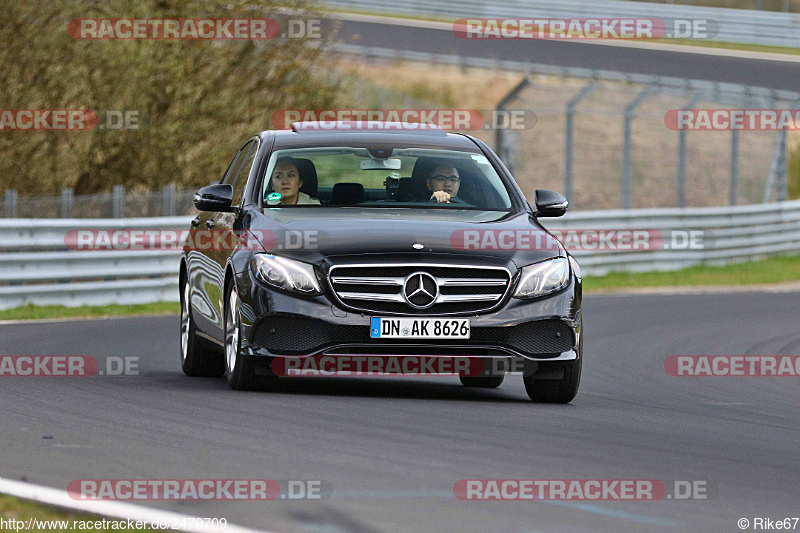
column 598, row 148
column 101, row 205
column 657, row 176
column 599, row 164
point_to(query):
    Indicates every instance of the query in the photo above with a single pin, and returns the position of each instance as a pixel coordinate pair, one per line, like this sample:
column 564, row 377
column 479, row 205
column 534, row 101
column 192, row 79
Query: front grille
column 292, row 335
column 379, row 289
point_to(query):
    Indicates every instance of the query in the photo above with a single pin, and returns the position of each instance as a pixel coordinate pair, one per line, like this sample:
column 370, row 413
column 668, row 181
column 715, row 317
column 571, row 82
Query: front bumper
column 278, row 324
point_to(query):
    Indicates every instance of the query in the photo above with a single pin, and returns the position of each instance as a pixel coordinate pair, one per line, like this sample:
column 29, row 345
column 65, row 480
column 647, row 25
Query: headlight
column 543, row 278
column 286, row 273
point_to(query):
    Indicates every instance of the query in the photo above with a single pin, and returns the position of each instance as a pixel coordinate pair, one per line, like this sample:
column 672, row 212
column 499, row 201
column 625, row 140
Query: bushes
column 201, row 98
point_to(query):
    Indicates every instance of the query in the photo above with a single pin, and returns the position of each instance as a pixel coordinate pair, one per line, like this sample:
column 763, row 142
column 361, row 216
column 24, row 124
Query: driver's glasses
column 449, row 179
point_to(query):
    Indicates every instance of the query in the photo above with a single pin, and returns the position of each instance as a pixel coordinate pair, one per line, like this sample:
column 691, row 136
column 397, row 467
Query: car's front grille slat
column 371, row 296
column 368, row 281
column 469, row 282
column 451, row 298
column 379, row 288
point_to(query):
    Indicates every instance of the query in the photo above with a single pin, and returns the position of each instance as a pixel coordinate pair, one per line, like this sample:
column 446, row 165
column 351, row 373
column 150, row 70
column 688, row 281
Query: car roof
column 308, row 137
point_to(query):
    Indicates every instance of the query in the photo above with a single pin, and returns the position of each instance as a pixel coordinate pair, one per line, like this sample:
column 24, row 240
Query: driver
column 444, row 182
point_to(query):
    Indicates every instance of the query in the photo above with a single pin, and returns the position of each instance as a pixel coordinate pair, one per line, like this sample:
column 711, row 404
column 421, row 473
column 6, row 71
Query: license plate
column 419, row 328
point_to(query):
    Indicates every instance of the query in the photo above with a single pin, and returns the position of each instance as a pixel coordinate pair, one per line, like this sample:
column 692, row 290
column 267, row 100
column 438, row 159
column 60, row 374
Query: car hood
column 312, row 234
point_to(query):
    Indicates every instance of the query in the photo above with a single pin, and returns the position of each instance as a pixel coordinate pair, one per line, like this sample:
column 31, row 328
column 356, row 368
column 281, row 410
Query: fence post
column 499, row 141
column 780, row 179
column 682, row 168
column 777, row 170
column 67, row 200
column 568, row 136
column 682, row 134
column 627, row 161
column 168, row 196
column 10, row 208
column 118, row 205
column 734, row 166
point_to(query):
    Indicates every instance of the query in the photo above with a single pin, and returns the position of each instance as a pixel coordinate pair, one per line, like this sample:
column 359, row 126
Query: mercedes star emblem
column 420, row 290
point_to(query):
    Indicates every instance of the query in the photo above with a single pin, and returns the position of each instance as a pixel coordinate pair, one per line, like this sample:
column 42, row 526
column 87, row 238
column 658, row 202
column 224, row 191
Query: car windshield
column 402, row 177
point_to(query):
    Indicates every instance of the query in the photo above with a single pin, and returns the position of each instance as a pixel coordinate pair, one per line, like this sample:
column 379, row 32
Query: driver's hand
column 441, row 197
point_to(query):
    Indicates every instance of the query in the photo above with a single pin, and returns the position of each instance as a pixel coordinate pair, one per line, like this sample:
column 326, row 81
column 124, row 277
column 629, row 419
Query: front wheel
column 239, row 371
column 560, row 390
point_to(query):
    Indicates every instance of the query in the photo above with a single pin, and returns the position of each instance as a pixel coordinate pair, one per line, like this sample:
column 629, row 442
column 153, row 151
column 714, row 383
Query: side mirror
column 216, row 198
column 550, row 204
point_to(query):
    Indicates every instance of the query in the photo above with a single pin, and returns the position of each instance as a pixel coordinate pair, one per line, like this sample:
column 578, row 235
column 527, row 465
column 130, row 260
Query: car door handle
column 209, row 224
column 195, row 222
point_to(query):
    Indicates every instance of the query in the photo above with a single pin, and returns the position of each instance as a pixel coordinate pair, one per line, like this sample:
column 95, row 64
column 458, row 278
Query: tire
column 239, row 371
column 197, row 358
column 485, row 382
column 561, row 390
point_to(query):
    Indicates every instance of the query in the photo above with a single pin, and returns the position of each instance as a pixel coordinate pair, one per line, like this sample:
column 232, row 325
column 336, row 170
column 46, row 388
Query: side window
column 240, row 170
column 231, row 168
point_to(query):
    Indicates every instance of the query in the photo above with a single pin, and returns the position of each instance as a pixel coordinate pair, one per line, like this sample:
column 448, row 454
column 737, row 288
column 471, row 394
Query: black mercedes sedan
column 362, row 242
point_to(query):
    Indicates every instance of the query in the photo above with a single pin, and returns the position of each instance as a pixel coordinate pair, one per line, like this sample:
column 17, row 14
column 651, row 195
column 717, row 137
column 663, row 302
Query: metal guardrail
column 37, row 268
column 735, row 25
column 725, row 234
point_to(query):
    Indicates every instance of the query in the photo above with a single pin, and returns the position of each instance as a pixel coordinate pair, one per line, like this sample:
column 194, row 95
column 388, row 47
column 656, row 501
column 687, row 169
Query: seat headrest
column 308, row 173
column 423, row 168
column 348, row 193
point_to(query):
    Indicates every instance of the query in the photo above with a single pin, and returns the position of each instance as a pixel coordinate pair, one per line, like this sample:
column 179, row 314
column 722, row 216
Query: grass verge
column 57, row 311
column 768, row 271
column 57, row 520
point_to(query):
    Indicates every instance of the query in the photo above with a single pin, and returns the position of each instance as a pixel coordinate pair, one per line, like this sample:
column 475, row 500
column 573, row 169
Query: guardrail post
column 734, row 166
column 10, row 207
column 682, row 135
column 67, row 200
column 627, row 161
column 168, row 198
column 568, row 136
column 118, row 205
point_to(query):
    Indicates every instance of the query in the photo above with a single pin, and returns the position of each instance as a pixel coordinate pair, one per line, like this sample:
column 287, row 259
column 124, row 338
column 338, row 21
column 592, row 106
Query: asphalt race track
column 392, row 448
column 781, row 75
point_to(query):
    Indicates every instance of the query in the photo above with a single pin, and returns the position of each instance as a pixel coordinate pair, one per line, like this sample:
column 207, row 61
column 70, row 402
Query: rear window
column 406, row 177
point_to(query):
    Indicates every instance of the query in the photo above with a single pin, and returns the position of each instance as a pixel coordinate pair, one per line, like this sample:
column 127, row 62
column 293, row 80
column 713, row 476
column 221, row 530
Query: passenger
column 287, row 181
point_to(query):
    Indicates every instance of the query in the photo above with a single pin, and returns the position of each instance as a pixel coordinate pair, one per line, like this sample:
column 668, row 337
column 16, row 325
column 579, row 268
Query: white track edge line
column 111, row 509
